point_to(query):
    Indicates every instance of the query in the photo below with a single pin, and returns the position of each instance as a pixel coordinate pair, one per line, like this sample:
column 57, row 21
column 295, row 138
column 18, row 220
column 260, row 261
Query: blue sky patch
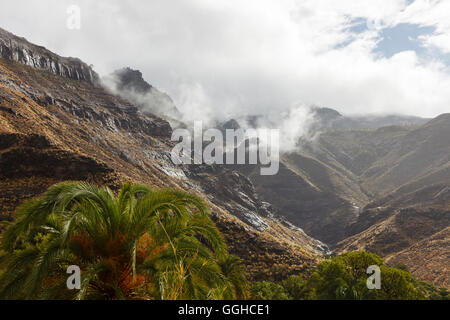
column 403, row 37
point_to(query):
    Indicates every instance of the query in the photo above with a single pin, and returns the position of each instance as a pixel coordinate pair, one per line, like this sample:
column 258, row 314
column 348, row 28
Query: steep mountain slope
column 397, row 231
column 383, row 190
column 324, row 184
column 417, row 159
column 355, row 185
column 417, row 238
column 320, row 212
column 427, row 259
column 55, row 126
column 18, row 49
column 405, row 174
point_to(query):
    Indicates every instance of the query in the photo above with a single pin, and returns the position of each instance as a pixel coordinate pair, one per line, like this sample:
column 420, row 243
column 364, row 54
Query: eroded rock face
column 115, row 118
column 55, row 128
column 323, row 215
column 131, row 80
column 233, row 191
column 20, row 50
column 131, row 85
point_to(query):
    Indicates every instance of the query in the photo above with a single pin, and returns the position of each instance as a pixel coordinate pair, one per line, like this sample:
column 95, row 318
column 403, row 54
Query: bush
column 296, row 288
column 345, row 277
column 266, row 290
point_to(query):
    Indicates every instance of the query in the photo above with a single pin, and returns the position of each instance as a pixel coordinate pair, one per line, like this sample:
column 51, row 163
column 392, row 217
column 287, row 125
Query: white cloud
column 227, row 57
column 431, row 13
column 441, row 41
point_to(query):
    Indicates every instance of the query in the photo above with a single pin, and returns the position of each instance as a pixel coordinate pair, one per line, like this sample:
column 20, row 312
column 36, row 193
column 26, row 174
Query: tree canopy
column 142, row 243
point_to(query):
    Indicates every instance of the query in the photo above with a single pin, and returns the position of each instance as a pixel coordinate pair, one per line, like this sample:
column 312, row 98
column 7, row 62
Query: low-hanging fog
column 227, row 58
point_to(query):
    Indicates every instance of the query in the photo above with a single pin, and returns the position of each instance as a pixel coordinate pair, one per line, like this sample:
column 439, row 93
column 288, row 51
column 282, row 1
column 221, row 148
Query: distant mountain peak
column 130, row 79
column 326, row 113
column 130, row 84
column 327, row 118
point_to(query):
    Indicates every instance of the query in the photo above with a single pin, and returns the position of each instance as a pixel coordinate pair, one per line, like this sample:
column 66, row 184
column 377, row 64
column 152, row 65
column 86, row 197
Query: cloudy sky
column 232, row 57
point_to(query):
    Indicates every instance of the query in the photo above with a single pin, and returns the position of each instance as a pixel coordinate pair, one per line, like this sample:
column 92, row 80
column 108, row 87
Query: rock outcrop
column 54, row 127
column 20, row 50
column 131, row 85
column 384, row 190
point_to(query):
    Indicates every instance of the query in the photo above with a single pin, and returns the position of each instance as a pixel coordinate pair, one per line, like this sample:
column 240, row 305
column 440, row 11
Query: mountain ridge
column 347, row 188
column 55, row 128
column 19, row 49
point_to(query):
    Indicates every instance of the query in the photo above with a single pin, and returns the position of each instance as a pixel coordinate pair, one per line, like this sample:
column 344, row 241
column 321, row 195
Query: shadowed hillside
column 55, row 128
column 379, row 184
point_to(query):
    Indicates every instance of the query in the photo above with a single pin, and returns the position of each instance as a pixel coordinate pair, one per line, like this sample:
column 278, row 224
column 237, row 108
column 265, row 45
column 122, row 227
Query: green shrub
column 345, row 277
column 266, row 290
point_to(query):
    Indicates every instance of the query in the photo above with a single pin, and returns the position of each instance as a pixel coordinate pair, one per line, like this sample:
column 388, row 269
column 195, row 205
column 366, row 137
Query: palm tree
column 143, row 243
column 235, row 273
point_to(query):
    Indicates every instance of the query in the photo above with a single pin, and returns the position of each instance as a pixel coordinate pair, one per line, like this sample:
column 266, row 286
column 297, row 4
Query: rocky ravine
column 357, row 186
column 380, row 189
column 403, row 175
column 58, row 123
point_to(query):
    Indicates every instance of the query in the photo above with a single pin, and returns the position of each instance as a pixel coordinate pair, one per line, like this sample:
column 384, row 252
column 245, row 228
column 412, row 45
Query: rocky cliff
column 55, row 126
column 397, row 178
column 379, row 184
column 131, row 85
column 20, row 50
column 382, row 189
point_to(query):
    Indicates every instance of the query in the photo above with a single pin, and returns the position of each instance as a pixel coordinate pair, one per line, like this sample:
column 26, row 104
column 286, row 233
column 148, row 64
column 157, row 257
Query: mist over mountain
column 131, row 85
column 375, row 183
column 232, row 58
column 55, row 128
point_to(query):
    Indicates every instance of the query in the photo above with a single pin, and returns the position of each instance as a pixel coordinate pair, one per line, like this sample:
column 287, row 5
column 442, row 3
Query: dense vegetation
column 158, row 244
column 345, row 277
column 141, row 244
